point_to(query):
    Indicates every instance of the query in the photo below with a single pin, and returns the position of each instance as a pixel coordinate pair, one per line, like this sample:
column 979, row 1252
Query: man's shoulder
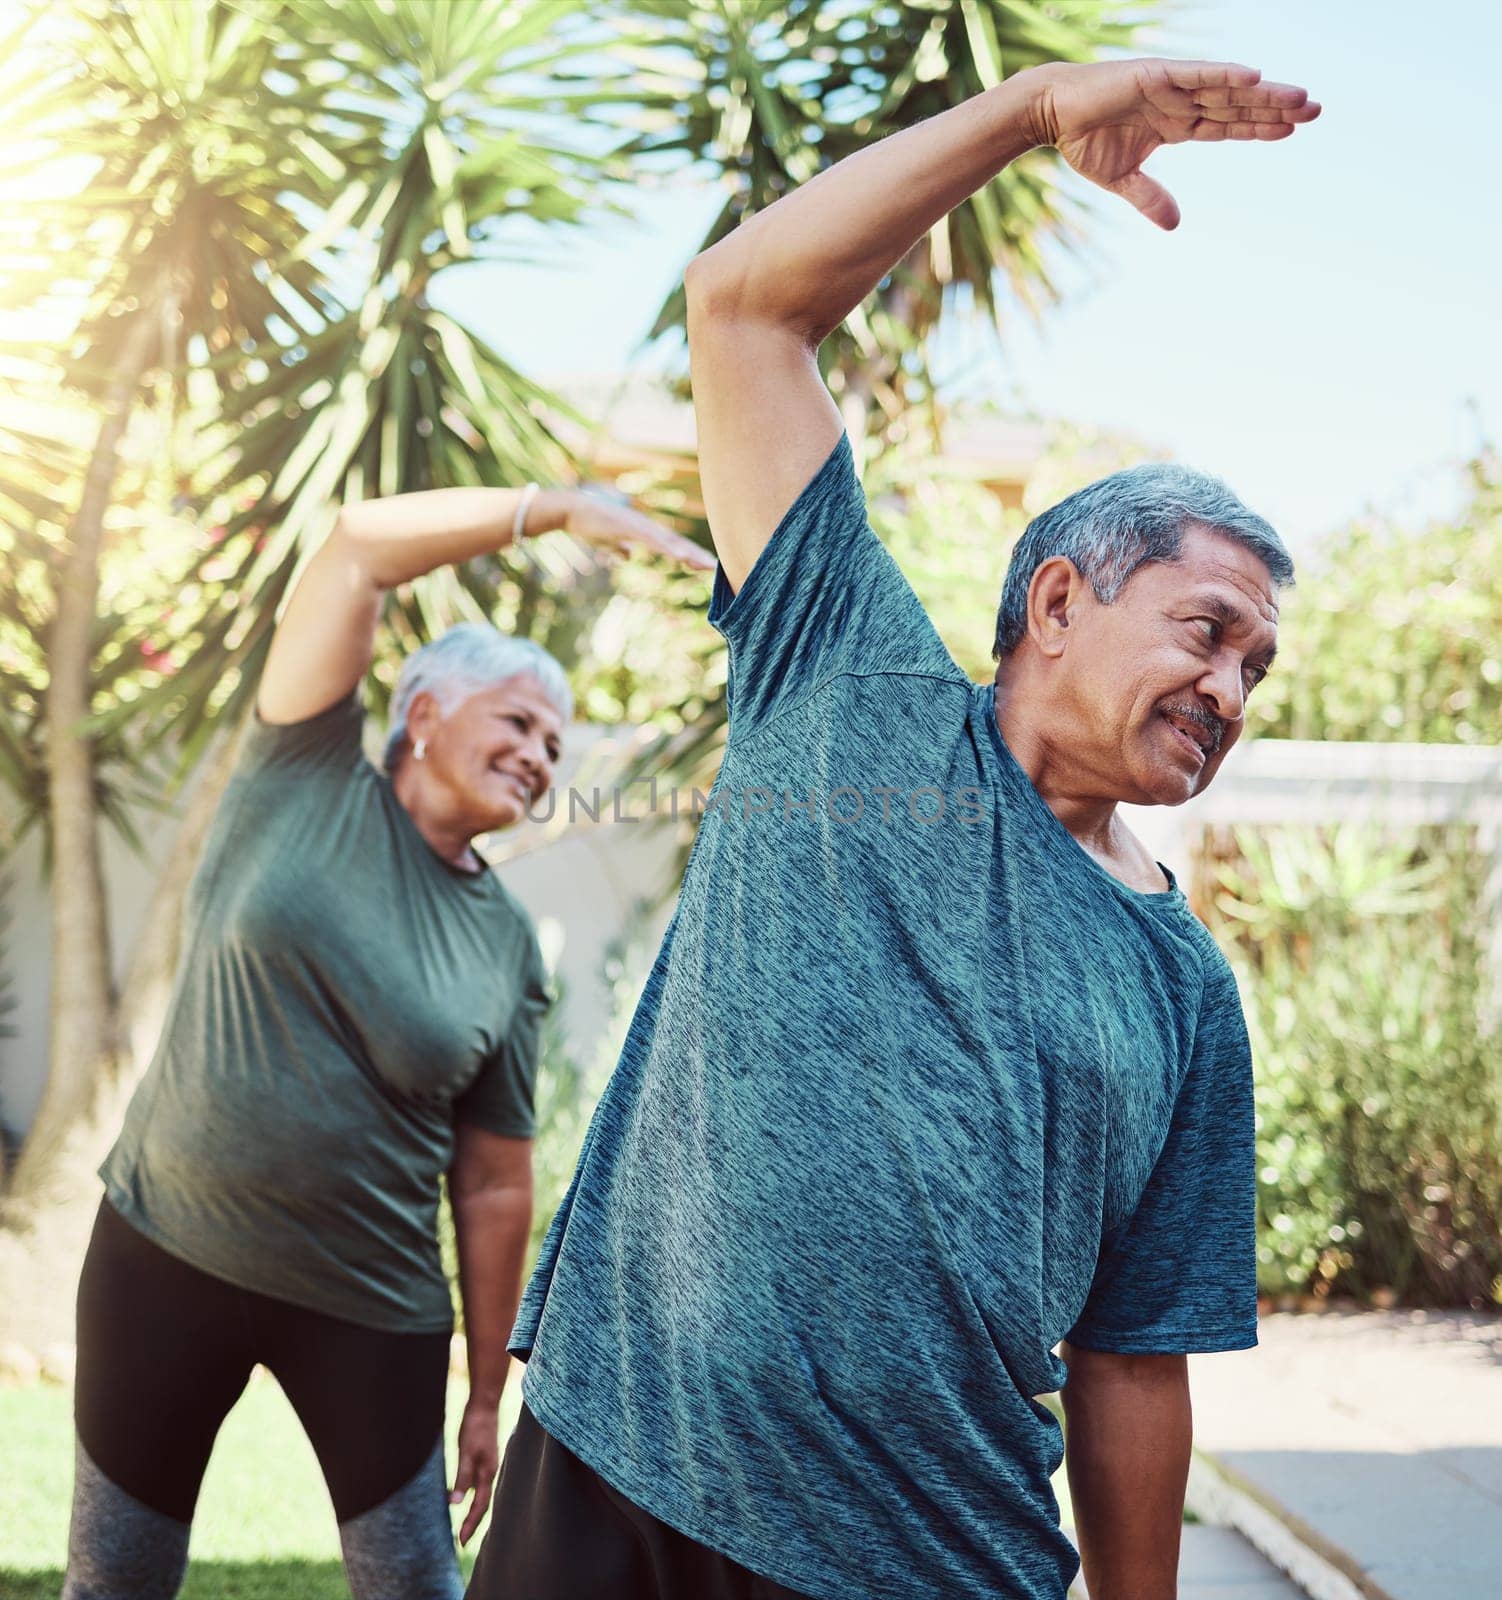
column 907, row 698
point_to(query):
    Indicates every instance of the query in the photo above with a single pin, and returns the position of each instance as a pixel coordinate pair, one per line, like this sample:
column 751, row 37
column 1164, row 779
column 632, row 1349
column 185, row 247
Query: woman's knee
column 118, row 1547
column 403, row 1548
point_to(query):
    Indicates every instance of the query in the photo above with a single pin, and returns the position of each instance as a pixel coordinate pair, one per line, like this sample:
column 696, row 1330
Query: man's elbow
column 1116, row 1367
column 735, row 288
column 715, row 286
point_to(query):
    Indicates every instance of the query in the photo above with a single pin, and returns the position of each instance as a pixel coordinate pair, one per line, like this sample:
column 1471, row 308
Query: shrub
column 1392, row 633
column 1362, row 960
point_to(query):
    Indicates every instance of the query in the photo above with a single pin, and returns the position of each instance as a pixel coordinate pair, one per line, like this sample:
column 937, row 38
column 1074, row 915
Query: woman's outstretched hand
column 1107, row 118
column 620, row 531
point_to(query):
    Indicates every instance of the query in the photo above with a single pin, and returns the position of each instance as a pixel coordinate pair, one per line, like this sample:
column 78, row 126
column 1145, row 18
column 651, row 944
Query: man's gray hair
column 467, row 658
column 1110, row 528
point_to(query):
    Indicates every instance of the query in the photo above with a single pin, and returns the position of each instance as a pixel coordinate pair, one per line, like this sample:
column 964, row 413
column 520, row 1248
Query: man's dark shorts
column 558, row 1531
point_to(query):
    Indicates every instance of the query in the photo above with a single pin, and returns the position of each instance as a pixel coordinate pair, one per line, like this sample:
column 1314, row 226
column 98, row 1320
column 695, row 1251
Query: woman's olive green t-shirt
column 344, row 995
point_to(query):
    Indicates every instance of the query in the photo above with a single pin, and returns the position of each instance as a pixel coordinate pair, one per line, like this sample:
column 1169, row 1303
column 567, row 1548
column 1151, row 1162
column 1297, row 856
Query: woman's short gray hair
column 1110, row 528
column 467, row 658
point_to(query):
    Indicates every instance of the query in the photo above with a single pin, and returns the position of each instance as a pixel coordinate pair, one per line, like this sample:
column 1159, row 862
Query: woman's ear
column 423, row 717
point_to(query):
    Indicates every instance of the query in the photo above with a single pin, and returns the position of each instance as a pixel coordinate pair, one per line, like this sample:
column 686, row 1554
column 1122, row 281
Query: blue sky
column 1323, row 329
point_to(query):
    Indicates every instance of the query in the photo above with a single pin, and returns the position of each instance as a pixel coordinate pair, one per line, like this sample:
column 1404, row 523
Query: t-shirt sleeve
column 1180, row 1275
column 328, row 742
column 824, row 598
column 501, row 1098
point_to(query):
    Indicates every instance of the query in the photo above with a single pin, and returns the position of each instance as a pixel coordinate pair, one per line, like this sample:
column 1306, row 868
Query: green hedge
column 1363, row 967
column 1395, row 633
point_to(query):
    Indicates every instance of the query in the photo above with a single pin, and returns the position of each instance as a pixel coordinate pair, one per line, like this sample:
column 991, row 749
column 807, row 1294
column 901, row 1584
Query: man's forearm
column 808, row 260
column 1128, row 1441
column 490, row 1230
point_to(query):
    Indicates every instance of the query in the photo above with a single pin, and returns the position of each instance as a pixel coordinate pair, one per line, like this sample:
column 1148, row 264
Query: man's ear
column 1051, row 598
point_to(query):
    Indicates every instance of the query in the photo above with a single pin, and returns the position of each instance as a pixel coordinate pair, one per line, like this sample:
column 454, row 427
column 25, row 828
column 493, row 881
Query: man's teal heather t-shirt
column 915, row 1090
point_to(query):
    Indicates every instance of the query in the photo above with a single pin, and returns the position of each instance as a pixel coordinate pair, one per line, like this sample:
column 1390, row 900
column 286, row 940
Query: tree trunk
column 82, row 1009
column 43, row 1232
column 83, row 1023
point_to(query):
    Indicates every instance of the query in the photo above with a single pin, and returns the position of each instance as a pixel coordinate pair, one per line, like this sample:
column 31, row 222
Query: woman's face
column 494, row 753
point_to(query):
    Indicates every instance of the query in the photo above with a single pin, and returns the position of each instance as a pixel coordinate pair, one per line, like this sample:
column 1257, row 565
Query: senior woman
column 356, row 1012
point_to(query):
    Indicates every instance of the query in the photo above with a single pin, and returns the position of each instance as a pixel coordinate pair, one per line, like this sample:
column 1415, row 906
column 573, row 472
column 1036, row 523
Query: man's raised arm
column 762, row 300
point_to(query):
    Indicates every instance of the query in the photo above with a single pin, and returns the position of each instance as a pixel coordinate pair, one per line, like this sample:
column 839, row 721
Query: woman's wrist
column 486, row 1391
column 548, row 509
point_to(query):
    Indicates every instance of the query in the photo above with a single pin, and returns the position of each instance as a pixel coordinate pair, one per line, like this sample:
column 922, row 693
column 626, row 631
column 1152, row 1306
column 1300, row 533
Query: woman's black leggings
column 165, row 1350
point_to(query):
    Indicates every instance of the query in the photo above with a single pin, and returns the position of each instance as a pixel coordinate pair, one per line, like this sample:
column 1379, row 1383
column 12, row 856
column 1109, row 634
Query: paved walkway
column 1218, row 1564
column 1361, row 1449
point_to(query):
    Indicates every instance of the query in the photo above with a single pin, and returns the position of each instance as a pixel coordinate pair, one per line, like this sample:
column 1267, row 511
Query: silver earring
column 420, row 749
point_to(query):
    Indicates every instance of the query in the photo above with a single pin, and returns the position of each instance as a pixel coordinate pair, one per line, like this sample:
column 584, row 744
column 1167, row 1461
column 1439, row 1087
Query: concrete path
column 1362, row 1451
column 1218, row 1564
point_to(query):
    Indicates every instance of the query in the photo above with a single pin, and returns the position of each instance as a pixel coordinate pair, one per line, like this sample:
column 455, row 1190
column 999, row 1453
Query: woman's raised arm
column 324, row 641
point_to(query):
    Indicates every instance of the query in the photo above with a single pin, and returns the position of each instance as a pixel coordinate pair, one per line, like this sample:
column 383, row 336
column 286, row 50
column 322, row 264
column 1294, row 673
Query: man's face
column 1164, row 675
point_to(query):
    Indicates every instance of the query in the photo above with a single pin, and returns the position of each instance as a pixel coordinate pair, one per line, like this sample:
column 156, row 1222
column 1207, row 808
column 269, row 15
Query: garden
column 229, row 239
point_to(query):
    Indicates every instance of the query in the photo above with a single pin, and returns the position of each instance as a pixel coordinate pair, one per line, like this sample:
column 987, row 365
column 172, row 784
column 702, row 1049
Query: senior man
column 935, row 1070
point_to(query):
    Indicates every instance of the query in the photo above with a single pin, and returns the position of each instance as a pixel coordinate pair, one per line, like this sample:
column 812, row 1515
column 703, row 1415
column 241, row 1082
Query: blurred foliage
column 952, row 537
column 1396, row 634
column 772, row 91
column 1362, row 958
column 265, row 194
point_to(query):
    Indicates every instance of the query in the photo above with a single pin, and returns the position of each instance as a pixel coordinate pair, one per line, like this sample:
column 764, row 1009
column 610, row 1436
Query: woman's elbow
column 350, row 544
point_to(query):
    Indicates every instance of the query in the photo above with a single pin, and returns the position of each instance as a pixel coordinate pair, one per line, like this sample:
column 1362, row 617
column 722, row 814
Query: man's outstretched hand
column 1107, row 118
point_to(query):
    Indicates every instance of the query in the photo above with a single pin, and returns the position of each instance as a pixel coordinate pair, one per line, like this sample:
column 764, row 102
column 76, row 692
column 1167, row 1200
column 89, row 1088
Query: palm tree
column 769, row 92
column 247, row 265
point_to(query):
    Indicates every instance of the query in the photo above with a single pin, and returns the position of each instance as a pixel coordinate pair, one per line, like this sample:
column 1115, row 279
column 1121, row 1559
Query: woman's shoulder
column 331, row 742
column 510, row 912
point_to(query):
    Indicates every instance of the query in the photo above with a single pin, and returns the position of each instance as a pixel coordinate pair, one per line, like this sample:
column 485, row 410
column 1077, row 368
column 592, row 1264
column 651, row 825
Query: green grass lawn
column 264, row 1529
